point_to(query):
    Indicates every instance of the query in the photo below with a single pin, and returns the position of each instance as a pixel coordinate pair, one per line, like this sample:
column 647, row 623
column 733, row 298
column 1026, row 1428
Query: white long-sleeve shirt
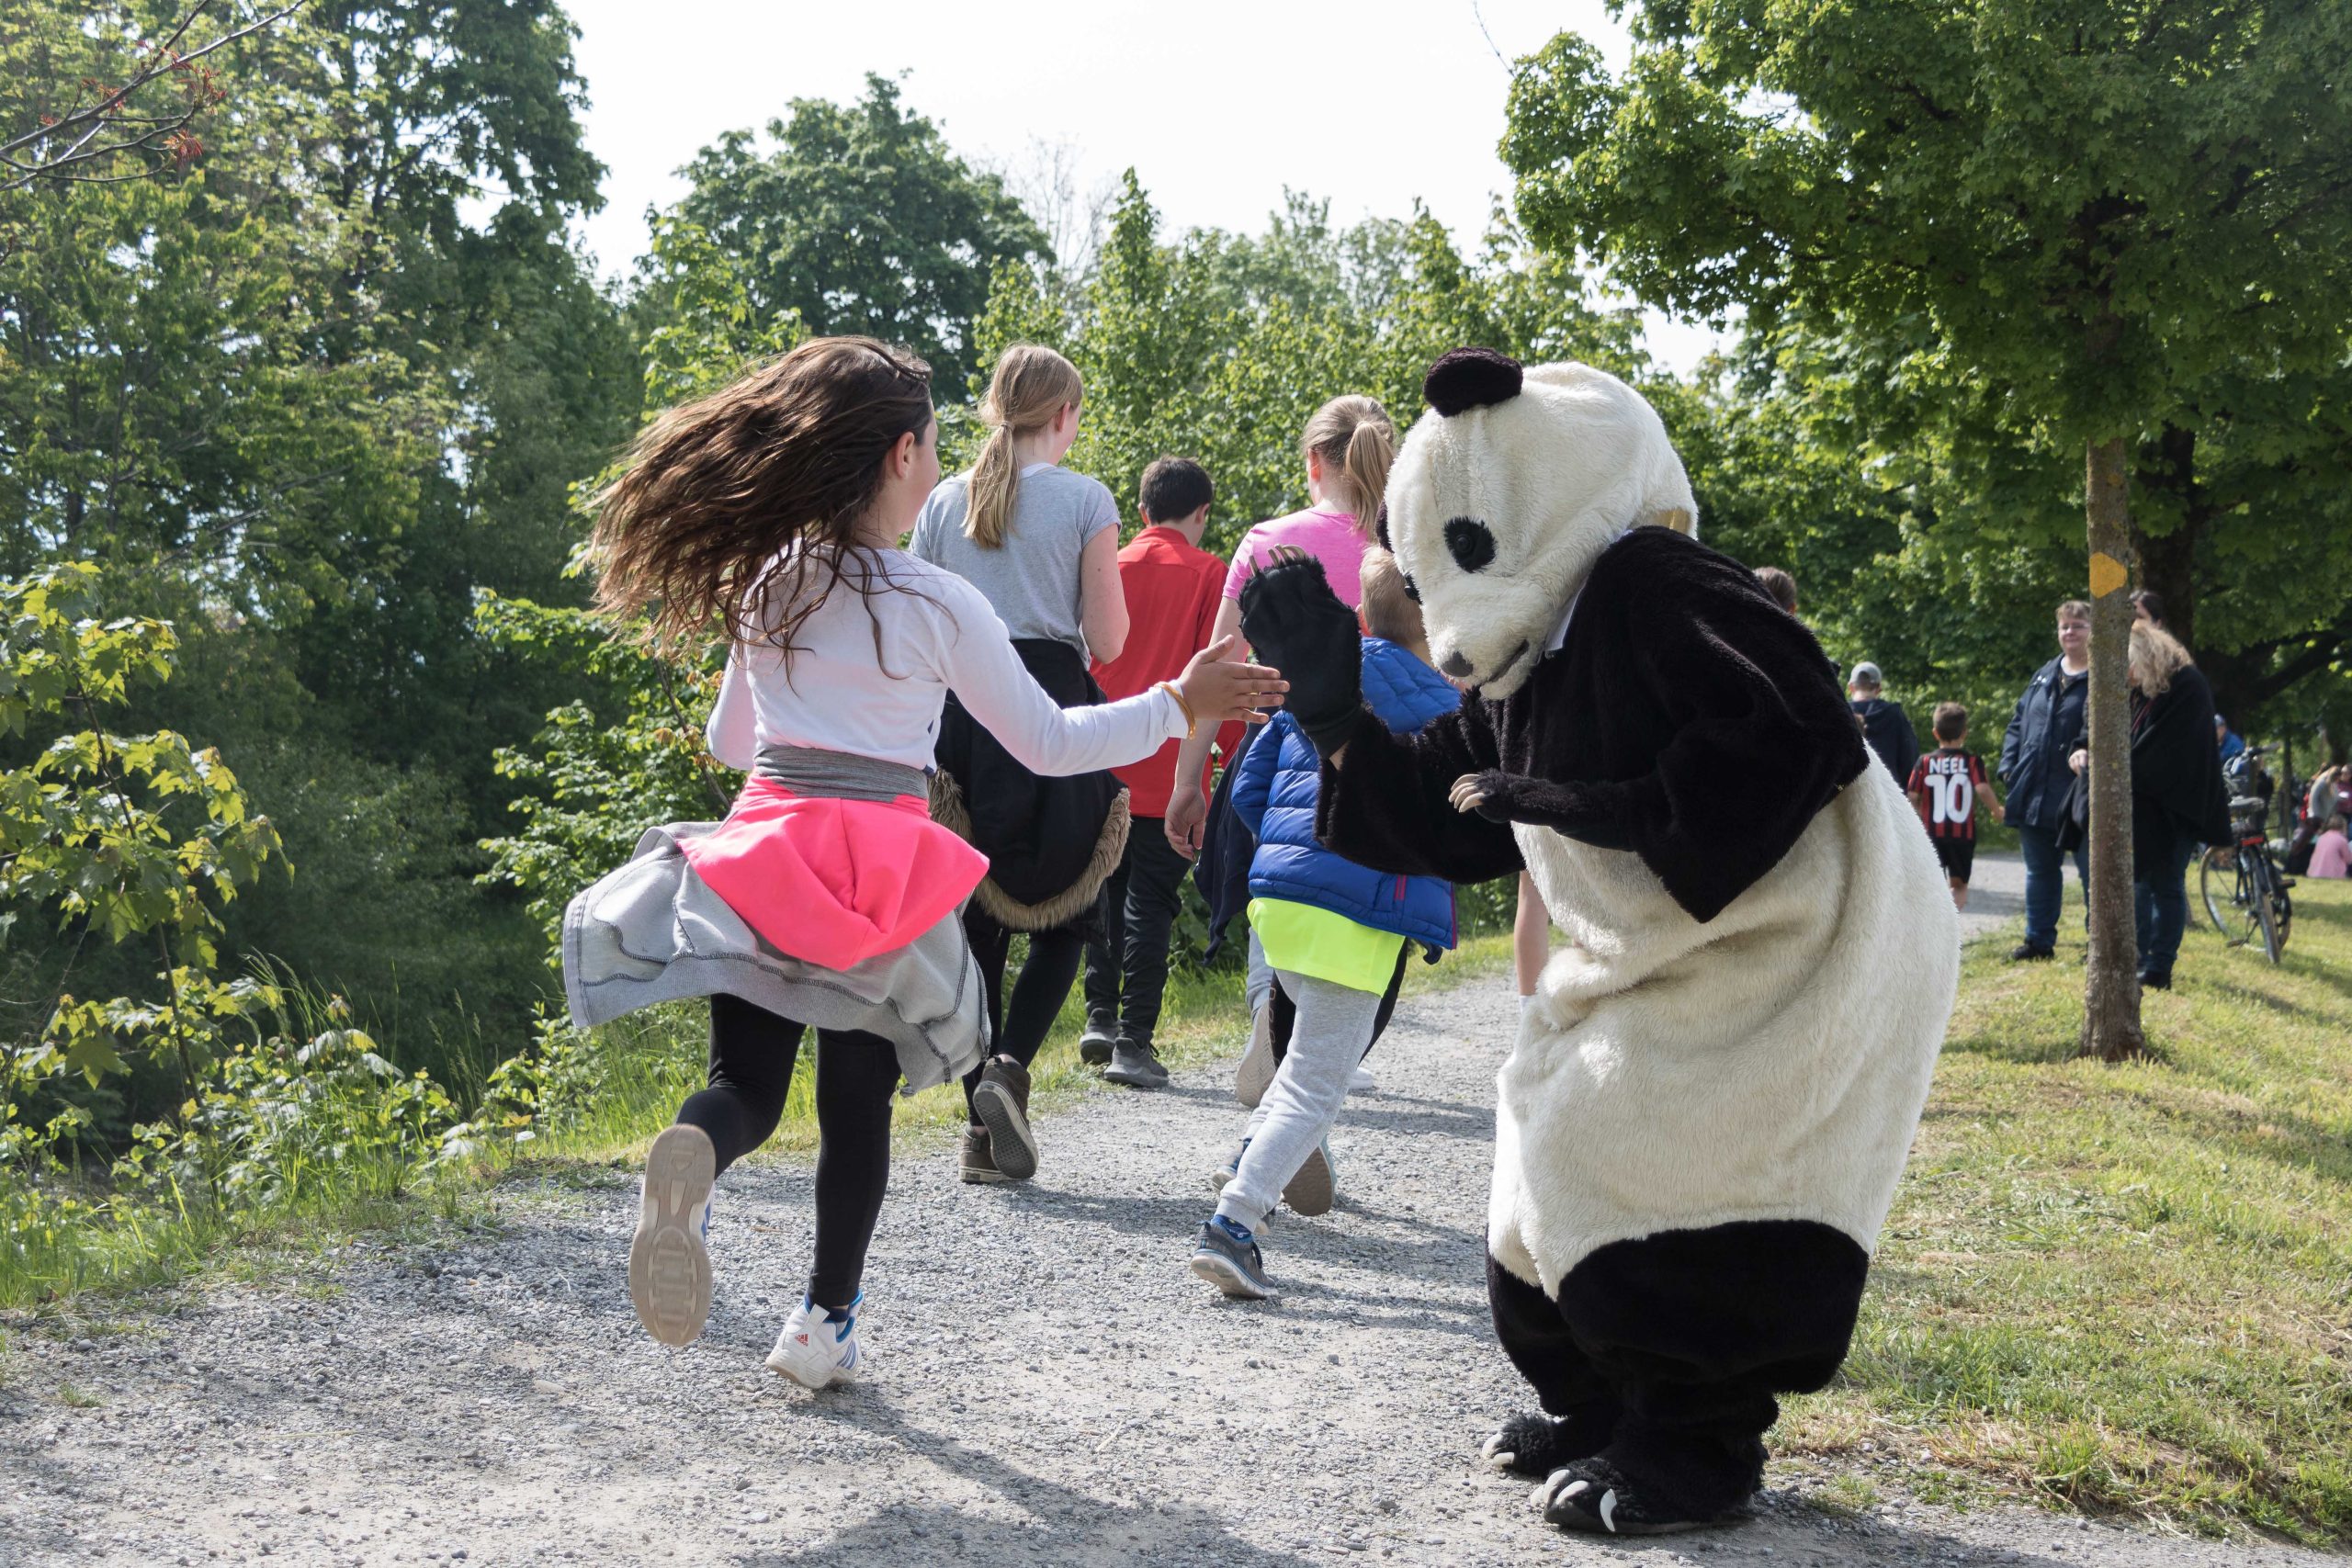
column 937, row 635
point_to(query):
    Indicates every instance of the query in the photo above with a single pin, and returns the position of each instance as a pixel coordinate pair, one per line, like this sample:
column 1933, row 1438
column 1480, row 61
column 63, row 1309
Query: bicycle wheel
column 2264, row 914
column 2215, row 878
column 2282, row 907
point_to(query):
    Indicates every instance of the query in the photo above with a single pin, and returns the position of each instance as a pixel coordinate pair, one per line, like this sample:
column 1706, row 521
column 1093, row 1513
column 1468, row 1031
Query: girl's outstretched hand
column 1217, row 687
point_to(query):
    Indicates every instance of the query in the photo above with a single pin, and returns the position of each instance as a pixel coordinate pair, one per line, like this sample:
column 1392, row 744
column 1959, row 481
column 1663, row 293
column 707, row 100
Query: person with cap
column 1884, row 724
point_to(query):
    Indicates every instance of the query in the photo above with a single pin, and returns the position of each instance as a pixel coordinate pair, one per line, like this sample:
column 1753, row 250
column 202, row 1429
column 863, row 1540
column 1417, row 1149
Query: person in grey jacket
column 2033, row 769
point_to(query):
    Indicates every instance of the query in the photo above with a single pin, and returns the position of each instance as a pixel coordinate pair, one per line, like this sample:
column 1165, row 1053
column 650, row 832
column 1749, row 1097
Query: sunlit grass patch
column 2129, row 1288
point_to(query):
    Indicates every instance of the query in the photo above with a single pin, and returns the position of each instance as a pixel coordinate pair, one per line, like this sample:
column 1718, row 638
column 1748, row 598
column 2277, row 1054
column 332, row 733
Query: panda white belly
column 1768, row 1065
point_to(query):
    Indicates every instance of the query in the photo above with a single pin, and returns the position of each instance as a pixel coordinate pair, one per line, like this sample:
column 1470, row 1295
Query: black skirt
column 1051, row 841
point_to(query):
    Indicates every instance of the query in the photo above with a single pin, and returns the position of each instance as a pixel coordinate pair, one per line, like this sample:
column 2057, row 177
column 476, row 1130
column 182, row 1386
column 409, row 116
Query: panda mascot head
column 1507, row 492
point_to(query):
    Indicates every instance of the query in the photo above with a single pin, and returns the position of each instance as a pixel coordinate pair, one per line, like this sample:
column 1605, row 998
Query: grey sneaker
column 1136, row 1065
column 1227, row 1256
column 1231, row 1168
column 669, row 1266
column 1001, row 1102
column 977, row 1164
column 1317, row 1186
column 1096, row 1045
column 1256, row 1073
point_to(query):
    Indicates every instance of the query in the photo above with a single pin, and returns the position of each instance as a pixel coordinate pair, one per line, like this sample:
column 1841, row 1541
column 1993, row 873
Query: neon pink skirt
column 834, row 882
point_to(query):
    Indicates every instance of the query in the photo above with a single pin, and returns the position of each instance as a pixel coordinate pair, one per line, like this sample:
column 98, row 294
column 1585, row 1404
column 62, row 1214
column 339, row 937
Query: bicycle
column 2243, row 889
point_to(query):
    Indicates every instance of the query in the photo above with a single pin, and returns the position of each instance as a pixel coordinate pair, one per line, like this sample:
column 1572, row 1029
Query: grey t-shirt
column 1032, row 580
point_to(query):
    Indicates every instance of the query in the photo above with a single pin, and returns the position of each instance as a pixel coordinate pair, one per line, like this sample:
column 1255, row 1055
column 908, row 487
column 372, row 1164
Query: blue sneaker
column 1226, row 1256
column 1230, row 1168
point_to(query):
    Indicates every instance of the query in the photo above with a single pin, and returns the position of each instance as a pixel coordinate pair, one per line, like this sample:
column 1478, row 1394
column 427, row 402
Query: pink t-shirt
column 1329, row 536
column 2331, row 856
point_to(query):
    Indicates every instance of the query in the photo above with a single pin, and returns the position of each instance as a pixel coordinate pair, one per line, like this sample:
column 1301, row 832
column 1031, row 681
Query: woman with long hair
column 773, row 509
column 2178, row 799
column 1042, row 545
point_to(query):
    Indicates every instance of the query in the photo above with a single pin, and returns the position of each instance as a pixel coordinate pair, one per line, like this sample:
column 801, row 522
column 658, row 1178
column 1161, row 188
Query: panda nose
column 1454, row 664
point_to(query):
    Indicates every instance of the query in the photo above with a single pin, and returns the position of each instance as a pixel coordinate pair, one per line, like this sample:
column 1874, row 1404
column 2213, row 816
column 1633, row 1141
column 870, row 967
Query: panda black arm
column 1384, row 803
column 1706, row 711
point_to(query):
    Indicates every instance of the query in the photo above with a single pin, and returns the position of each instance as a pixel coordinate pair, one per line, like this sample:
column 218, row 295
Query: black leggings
column 751, row 1055
column 1020, row 1028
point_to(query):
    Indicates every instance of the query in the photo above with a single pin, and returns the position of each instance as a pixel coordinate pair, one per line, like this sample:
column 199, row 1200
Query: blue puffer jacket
column 1275, row 796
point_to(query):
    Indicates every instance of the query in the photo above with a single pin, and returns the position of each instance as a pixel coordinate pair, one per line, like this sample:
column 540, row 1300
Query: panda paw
column 1537, row 1444
column 1297, row 625
column 1593, row 1496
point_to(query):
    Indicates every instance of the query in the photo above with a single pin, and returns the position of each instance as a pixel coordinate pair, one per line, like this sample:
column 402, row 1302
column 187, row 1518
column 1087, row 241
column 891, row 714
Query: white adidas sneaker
column 819, row 1347
column 669, row 1264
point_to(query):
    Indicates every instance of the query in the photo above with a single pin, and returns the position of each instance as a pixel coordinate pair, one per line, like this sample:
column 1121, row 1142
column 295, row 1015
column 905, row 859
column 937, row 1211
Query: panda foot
column 1593, row 1496
column 1536, row 1444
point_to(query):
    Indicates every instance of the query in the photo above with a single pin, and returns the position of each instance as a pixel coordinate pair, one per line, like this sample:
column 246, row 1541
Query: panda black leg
column 1580, row 1409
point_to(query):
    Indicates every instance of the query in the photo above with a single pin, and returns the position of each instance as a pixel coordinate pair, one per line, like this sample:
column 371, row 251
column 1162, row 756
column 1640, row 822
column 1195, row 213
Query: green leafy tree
column 861, row 219
column 2081, row 208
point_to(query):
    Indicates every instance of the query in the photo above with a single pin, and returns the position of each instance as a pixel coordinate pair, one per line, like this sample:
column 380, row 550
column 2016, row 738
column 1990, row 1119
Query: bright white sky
column 1217, row 104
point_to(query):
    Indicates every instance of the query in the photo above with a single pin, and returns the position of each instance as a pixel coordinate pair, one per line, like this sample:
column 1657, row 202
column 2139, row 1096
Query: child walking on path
column 1338, row 937
column 828, row 898
column 1945, row 787
column 1174, row 589
column 1042, row 545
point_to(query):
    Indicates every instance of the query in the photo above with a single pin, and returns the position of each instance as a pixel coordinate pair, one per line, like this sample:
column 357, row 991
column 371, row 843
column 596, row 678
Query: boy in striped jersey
column 1944, row 786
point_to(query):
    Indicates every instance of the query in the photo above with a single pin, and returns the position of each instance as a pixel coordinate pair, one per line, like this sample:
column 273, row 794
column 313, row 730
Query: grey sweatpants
column 1333, row 1031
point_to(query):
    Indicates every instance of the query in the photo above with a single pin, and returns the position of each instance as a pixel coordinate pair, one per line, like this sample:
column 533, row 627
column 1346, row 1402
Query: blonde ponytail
column 1030, row 386
column 1357, row 442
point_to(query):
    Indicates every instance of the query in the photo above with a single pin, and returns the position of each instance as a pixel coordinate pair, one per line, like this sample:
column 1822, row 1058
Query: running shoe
column 1226, row 1256
column 1230, row 1168
column 1095, row 1047
column 818, row 1346
column 669, row 1264
column 1317, row 1186
column 1001, row 1102
column 1138, row 1067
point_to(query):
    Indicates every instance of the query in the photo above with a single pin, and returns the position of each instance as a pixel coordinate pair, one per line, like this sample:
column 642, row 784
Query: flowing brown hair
column 1028, row 387
column 1357, row 442
column 717, row 490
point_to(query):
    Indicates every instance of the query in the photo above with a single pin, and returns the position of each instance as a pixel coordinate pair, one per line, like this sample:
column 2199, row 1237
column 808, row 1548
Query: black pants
column 1019, row 1027
column 1667, row 1353
column 1283, row 1012
column 751, row 1056
column 1126, row 974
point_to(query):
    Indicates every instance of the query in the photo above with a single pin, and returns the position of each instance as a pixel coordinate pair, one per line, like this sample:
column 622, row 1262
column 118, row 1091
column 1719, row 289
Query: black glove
column 1297, row 625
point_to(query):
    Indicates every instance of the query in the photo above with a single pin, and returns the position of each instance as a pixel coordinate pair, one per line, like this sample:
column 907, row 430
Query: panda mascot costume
column 1701, row 1125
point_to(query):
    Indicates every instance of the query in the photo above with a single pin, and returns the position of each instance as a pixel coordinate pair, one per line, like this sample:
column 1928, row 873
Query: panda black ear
column 1471, row 379
column 1380, row 528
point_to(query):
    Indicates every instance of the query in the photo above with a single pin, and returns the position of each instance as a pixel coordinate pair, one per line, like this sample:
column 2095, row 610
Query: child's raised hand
column 1217, row 687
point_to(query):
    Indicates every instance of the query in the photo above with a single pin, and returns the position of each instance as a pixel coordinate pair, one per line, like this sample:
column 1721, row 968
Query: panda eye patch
column 1472, row 544
column 1412, row 589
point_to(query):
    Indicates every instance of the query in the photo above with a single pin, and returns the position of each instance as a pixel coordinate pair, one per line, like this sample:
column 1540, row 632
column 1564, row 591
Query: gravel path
column 1049, row 1384
column 1995, row 894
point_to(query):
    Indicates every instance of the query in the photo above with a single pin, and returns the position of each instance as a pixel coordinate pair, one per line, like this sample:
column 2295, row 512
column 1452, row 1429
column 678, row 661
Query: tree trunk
column 2111, row 984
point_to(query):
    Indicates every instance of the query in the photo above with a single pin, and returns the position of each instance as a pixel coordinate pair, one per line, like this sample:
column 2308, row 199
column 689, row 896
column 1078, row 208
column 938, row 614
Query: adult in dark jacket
column 1884, row 724
column 2178, row 800
column 2048, row 721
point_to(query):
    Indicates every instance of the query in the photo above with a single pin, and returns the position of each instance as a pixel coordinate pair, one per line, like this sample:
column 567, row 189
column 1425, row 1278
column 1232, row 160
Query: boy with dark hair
column 1944, row 786
column 1173, row 588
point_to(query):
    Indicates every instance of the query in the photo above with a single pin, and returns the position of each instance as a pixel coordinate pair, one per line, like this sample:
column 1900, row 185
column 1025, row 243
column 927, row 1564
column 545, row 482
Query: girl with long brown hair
column 828, row 898
column 1042, row 545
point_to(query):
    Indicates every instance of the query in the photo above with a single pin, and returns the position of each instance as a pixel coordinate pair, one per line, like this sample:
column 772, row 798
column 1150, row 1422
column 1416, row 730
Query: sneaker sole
column 1093, row 1051
column 1226, row 1276
column 781, row 1365
column 669, row 1268
column 1256, row 1073
column 979, row 1178
column 1137, row 1080
column 1312, row 1191
column 1009, row 1140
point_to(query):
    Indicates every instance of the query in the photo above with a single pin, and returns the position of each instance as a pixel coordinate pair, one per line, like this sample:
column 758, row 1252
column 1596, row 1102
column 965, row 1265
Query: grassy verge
column 2129, row 1289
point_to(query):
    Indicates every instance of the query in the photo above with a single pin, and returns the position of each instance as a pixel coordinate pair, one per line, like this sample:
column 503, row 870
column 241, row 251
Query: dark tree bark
column 2111, row 989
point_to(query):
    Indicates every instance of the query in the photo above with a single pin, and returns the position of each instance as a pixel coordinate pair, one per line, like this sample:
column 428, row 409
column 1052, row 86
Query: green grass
column 2129, row 1289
